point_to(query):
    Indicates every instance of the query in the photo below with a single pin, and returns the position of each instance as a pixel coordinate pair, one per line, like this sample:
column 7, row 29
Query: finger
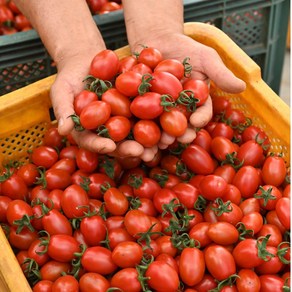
column 166, row 138
column 149, row 153
column 202, row 115
column 216, row 70
column 62, row 101
column 129, row 148
column 162, row 145
column 189, row 135
column 93, row 142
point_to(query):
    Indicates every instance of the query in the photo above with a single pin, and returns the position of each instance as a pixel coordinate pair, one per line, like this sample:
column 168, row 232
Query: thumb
column 216, row 70
column 62, row 99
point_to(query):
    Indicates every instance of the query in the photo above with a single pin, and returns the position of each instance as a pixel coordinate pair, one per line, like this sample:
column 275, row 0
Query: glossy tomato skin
column 93, row 282
column 223, row 233
column 198, row 160
column 4, row 202
column 65, row 283
column 95, row 114
column 118, row 128
column 187, row 194
column 150, row 57
column 162, row 277
column 57, row 179
column 212, row 187
column 248, row 280
column 191, row 266
column 219, row 262
column 82, row 99
column 271, row 283
column 104, row 65
column 199, row 88
column 172, row 66
column 43, row 286
column 44, row 156
column 283, row 211
column 115, row 201
column 126, row 280
column 52, row 270
column 128, row 83
column 222, row 146
column 29, row 173
column 146, row 132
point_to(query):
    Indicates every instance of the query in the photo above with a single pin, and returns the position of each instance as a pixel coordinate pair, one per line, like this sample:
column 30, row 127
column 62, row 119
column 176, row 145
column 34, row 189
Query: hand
column 206, row 64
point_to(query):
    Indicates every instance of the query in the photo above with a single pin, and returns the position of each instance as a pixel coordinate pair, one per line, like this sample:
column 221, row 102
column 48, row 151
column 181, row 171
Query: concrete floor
column 285, row 92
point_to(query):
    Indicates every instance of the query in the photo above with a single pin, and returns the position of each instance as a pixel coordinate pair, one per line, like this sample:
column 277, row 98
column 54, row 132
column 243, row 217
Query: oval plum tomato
column 104, row 65
column 199, row 88
column 128, row 83
column 198, row 160
column 43, row 286
column 187, row 194
column 172, row 66
column 146, row 132
column 251, row 153
column 21, row 22
column 38, row 252
column 52, row 270
column 163, row 197
column 95, row 114
column 62, row 247
column 206, row 284
column 93, row 282
column 199, row 232
column 75, row 201
column 253, row 221
column 136, row 222
column 173, row 122
column 141, row 69
column 82, row 99
column 115, row 201
column 271, row 283
column 96, row 181
column 283, row 211
column 150, row 57
column 168, row 259
column 126, row 280
column 66, row 283
column 247, row 180
column 203, row 139
column 223, row 233
column 234, row 116
column 250, row 205
column 13, row 7
column 219, row 262
column 53, row 139
column 246, row 254
column 191, row 265
column 274, row 170
column 127, row 254
column 57, row 179
column 93, row 229
column 220, row 104
column 227, row 172
column 127, row 63
column 6, row 14
column 23, row 239
column 162, row 277
column 248, row 280
column 4, row 202
column 69, row 152
column 275, row 235
column 212, row 187
column 222, row 130
column 29, row 173
column 165, row 83
column 116, row 128
column 118, row 235
column 44, row 156
column 268, row 196
column 66, row 164
column 147, row 106
column 222, row 147
column 119, row 103
column 87, row 160
column 272, row 218
column 98, row 259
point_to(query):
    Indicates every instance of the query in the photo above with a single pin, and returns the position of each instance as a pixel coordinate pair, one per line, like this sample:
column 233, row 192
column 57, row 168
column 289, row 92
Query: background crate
column 25, row 116
column 259, row 27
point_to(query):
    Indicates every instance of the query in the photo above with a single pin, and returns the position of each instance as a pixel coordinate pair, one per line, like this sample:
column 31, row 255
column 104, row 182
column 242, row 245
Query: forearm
column 66, row 27
column 146, row 19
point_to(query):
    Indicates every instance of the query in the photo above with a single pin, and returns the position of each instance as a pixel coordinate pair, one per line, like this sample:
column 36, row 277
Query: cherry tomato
column 65, row 283
column 93, row 282
column 223, row 233
column 146, row 132
column 82, row 99
column 199, row 88
column 115, row 201
column 283, row 211
column 212, row 187
column 172, row 66
column 248, row 280
column 117, row 128
column 126, row 280
column 128, row 83
column 44, row 156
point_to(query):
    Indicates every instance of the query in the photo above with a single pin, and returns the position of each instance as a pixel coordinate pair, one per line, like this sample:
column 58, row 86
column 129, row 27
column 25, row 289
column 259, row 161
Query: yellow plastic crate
column 25, row 116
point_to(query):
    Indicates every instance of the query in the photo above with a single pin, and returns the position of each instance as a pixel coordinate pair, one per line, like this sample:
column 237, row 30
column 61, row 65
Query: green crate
column 259, row 27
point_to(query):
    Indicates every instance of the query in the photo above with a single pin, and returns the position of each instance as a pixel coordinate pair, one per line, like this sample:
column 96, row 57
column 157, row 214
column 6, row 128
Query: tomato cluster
column 138, row 97
column 211, row 215
column 11, row 18
column 104, row 6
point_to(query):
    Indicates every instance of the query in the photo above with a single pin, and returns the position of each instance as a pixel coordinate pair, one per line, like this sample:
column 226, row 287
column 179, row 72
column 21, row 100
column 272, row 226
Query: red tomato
column 104, row 65
column 253, row 221
column 271, row 283
column 117, row 128
column 95, row 114
column 43, row 286
column 234, row 116
column 65, row 283
column 108, row 7
column 66, row 164
column 203, row 139
column 37, row 252
column 222, row 130
column 283, row 211
column 21, row 240
column 208, row 283
column 98, row 259
column 191, row 266
column 274, row 170
column 128, row 83
column 118, row 235
column 127, row 63
column 162, row 277
column 21, row 22
column 221, row 147
column 14, row 187
column 248, row 280
column 115, row 201
column 165, row 83
column 146, row 132
column 273, row 231
column 187, row 194
column 141, row 69
column 147, row 106
column 247, row 180
column 6, row 14
column 74, row 202
column 150, row 57
column 199, row 232
column 250, row 153
column 163, row 197
column 268, row 196
column 53, row 139
column 212, row 187
column 198, row 160
column 93, row 282
column 126, row 280
column 127, row 254
column 4, row 202
column 145, row 187
column 232, row 194
column 52, row 270
column 97, row 180
column 172, row 66
column 93, row 229
column 119, row 103
column 44, row 156
column 82, row 99
column 87, row 160
column 173, row 122
column 219, row 262
column 57, row 179
column 223, row 233
column 199, row 88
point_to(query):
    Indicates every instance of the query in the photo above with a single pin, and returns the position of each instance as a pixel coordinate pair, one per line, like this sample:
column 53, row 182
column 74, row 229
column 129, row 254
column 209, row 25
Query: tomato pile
column 104, row 6
column 11, row 18
column 210, row 215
